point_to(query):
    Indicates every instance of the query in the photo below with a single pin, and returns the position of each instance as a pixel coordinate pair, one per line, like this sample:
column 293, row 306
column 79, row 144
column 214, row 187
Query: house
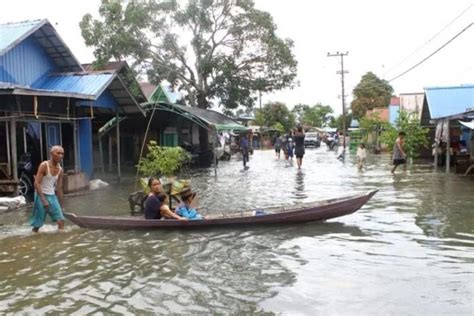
column 47, row 98
column 443, row 109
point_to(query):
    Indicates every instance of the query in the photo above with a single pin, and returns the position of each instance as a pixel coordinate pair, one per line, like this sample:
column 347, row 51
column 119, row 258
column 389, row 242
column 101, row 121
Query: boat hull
column 309, row 212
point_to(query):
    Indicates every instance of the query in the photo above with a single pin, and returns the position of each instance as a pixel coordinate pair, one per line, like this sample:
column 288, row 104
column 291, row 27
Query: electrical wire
column 432, row 38
column 430, row 55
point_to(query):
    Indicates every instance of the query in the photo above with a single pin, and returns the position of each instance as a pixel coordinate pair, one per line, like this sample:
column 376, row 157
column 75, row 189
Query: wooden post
column 436, row 155
column 25, row 147
column 118, row 149
column 41, row 140
column 74, row 139
column 7, row 129
column 448, row 148
column 14, row 149
column 214, row 156
column 110, row 152
column 101, row 151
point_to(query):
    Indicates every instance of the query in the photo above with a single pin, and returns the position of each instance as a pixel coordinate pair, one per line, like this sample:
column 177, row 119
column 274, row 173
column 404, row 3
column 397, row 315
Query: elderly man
column 48, row 187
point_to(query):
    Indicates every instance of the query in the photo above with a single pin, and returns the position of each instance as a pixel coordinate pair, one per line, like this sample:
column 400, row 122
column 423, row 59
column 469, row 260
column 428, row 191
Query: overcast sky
column 378, row 34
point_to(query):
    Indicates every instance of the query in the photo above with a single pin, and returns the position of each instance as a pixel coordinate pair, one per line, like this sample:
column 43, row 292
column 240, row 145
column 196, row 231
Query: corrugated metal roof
column 83, row 83
column 448, row 101
column 12, row 33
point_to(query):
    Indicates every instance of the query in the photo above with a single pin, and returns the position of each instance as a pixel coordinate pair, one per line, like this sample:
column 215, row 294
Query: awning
column 468, row 124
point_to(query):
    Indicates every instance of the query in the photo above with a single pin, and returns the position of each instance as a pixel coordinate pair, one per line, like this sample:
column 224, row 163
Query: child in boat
column 185, row 209
column 165, row 210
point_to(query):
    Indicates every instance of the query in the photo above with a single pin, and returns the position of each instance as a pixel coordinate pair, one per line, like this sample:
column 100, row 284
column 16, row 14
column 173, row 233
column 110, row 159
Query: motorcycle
column 25, row 175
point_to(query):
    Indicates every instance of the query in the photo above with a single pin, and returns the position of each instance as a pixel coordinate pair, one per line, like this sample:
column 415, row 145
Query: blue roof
column 447, row 101
column 13, row 33
column 82, row 83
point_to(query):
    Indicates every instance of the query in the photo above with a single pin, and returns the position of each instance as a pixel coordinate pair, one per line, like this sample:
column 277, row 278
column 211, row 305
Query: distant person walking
column 399, row 155
column 48, row 188
column 244, row 148
column 361, row 156
column 298, row 138
column 277, row 145
column 290, row 147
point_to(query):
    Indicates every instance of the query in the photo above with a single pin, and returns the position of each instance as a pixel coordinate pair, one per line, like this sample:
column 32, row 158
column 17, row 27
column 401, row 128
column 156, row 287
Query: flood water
column 410, row 250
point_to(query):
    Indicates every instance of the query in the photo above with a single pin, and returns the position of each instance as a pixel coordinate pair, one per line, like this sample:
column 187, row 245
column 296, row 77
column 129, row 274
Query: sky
column 385, row 37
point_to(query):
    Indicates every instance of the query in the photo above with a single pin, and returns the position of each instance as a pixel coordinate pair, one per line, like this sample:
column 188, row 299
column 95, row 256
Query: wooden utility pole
column 343, row 96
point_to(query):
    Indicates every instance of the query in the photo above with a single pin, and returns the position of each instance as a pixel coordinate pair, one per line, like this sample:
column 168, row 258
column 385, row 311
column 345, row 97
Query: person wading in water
column 49, row 191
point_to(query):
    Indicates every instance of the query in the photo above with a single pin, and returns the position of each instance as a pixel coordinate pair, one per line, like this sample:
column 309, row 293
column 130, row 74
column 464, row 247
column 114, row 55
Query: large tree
column 217, row 50
column 276, row 113
column 317, row 115
column 371, row 92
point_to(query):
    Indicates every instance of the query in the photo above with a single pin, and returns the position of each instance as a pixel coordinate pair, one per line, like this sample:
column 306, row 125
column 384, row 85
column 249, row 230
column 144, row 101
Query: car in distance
column 312, row 139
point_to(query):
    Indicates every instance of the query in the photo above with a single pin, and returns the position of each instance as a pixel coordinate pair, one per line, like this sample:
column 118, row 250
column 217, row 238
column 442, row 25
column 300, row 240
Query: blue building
column 47, row 97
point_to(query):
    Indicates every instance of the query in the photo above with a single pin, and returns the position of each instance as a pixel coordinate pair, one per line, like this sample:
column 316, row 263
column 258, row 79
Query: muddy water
column 410, row 250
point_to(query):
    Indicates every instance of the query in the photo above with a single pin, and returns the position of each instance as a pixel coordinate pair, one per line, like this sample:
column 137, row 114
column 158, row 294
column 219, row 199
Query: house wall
column 26, row 63
column 412, row 103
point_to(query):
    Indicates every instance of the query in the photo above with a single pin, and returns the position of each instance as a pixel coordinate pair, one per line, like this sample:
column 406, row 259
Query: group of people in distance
column 157, row 204
column 292, row 145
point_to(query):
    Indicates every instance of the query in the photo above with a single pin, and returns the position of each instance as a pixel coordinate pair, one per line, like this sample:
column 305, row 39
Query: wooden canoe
column 307, row 212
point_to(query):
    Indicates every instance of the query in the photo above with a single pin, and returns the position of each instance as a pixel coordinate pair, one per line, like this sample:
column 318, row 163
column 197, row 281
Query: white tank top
column 48, row 183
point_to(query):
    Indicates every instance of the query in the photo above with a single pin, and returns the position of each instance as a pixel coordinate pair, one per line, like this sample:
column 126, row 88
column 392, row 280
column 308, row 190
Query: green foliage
column 276, row 112
column 317, row 115
column 416, row 135
column 279, row 127
column 372, row 124
column 234, row 51
column 337, row 122
column 371, row 92
column 162, row 160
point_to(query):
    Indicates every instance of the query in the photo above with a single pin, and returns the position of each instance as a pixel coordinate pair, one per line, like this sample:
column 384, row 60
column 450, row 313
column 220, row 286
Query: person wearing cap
column 185, row 209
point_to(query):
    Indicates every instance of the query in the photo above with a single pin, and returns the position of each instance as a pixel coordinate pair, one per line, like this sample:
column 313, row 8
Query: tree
column 371, row 92
column 276, row 112
column 416, row 135
column 317, row 115
column 222, row 50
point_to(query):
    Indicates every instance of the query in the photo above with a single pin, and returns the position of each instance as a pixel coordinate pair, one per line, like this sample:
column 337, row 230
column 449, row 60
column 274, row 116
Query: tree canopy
column 275, row 115
column 216, row 50
column 371, row 92
column 317, row 115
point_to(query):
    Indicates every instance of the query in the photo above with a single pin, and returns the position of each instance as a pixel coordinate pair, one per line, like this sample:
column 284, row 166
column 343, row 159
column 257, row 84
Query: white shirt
column 361, row 153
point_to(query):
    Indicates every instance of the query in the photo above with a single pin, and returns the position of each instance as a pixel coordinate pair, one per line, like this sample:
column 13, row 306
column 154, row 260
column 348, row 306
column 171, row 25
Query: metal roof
column 83, row 83
column 201, row 117
column 11, row 34
column 448, row 101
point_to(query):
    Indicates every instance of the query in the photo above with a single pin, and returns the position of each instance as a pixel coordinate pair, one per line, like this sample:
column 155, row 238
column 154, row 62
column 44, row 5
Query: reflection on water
column 408, row 251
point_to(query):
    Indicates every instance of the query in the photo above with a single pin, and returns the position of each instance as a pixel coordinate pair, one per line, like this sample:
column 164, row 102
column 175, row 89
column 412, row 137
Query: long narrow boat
column 307, row 212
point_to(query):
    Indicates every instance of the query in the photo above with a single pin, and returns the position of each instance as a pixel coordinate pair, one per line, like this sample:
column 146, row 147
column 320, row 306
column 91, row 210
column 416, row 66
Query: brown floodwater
column 410, row 250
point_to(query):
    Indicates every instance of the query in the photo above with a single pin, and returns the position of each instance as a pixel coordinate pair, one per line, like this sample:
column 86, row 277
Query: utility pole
column 343, row 96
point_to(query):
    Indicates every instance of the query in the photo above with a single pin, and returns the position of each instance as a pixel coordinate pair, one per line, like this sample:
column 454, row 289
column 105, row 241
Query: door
column 53, row 135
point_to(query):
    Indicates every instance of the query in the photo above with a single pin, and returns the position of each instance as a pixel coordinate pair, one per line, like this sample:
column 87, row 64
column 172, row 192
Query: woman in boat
column 165, row 210
column 185, row 209
column 152, row 203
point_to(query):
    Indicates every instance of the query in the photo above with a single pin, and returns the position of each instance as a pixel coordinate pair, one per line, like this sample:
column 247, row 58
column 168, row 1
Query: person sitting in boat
column 185, row 209
column 152, row 203
column 165, row 210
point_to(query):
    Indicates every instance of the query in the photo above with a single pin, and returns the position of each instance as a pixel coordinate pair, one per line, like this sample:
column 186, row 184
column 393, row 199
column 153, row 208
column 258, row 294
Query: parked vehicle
column 25, row 175
column 312, row 139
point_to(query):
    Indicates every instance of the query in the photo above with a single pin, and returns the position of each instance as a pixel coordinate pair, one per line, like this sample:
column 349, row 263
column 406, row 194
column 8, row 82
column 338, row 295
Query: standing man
column 298, row 138
column 399, row 155
column 244, row 147
column 48, row 188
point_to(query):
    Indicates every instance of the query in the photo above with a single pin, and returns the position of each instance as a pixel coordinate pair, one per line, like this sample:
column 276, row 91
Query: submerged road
column 410, row 250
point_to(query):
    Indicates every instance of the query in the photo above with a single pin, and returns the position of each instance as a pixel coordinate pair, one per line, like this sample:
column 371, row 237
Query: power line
column 432, row 38
column 430, row 55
